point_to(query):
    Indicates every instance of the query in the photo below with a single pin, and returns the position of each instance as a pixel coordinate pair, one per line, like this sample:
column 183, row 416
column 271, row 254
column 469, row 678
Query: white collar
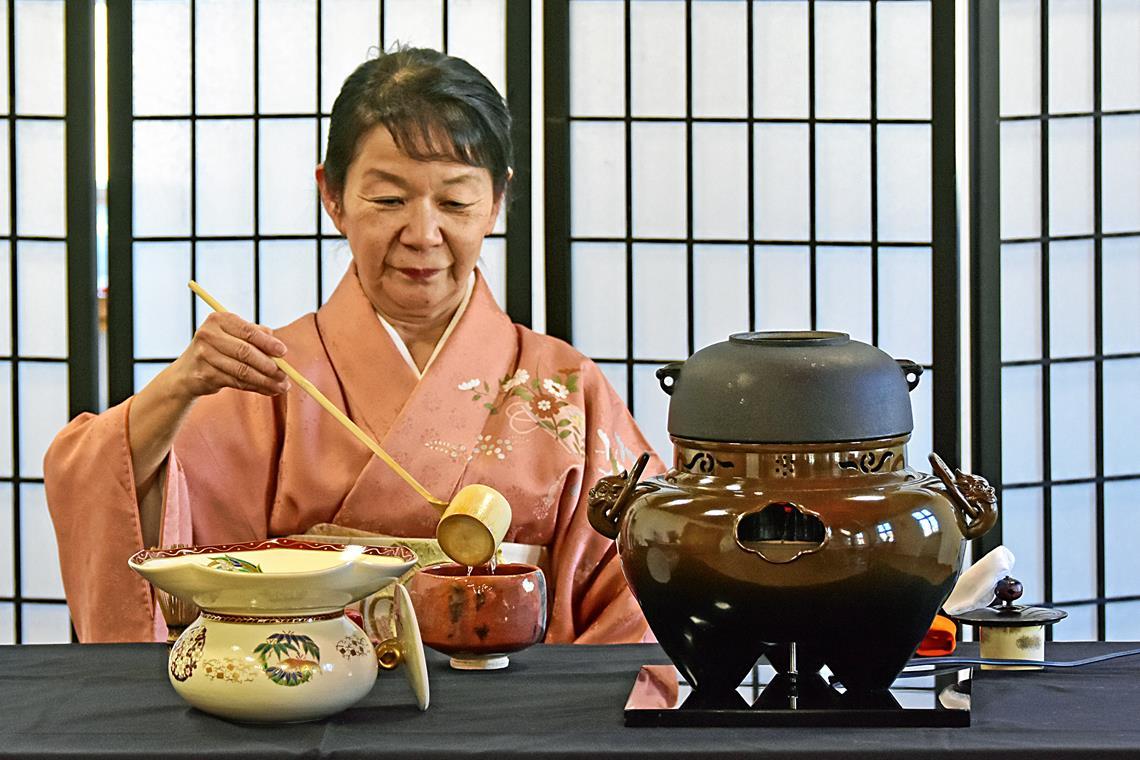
column 403, row 347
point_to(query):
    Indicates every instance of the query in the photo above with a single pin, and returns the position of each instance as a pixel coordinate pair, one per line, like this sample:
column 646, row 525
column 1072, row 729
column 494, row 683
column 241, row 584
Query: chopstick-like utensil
column 331, row 408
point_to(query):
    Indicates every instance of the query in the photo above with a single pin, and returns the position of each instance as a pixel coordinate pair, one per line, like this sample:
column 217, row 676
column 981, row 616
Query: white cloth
column 403, row 348
column 975, row 588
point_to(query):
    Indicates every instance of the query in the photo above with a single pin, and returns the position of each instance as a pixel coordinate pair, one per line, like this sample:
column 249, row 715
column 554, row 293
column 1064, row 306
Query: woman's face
column 415, row 227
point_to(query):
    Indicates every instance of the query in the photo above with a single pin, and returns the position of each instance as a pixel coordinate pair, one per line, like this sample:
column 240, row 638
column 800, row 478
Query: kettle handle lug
column 668, row 375
column 974, row 499
column 612, row 495
column 910, row 369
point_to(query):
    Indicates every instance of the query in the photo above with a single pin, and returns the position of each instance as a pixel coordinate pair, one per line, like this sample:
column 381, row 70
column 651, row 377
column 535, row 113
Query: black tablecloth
column 553, row 702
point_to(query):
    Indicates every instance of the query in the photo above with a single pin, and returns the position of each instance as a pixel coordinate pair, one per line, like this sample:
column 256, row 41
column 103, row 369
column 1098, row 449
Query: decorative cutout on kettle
column 869, row 463
column 705, row 463
column 781, row 532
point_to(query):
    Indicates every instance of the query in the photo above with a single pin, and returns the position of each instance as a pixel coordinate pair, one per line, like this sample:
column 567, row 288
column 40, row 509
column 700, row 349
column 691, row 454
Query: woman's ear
column 330, row 200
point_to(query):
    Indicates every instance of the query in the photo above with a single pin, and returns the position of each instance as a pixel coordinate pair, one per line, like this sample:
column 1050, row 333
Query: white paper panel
column 1120, row 173
column 660, row 314
column 161, row 299
column 843, row 182
column 905, row 283
column 903, row 61
column 1070, row 56
column 6, row 419
column 1021, row 179
column 5, row 298
column 39, row 560
column 225, row 177
column 42, row 412
column 783, row 288
column 41, row 292
column 1019, row 47
column 161, row 178
column 146, row 371
column 1073, row 420
column 1021, row 426
column 1120, row 280
column 335, row 258
column 1119, row 54
column 46, row 624
column 657, row 60
column 922, row 409
column 720, row 292
column 7, row 544
column 288, row 287
column 39, row 57
column 720, row 58
column 1021, row 301
column 7, row 623
column 597, row 57
column 1023, row 534
column 4, row 42
column 652, row 406
column 225, row 269
column 350, row 35
column 1121, row 560
column 418, row 23
column 1080, row 625
column 223, row 38
column 477, row 32
column 287, row 57
column 843, row 291
column 720, row 181
column 1070, row 177
column 161, row 53
column 1122, row 621
column 1074, row 542
column 493, row 265
column 287, row 193
column 1072, row 312
column 780, row 59
column 41, row 196
column 597, row 191
column 616, row 376
column 5, row 168
column 783, row 205
column 659, row 197
column 904, row 183
column 842, row 59
column 597, row 284
column 1121, row 417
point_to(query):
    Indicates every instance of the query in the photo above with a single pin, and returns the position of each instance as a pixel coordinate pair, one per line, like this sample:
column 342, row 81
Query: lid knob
column 1008, row 590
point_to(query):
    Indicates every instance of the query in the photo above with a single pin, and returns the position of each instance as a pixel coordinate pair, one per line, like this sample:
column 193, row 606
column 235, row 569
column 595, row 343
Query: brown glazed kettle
column 790, row 514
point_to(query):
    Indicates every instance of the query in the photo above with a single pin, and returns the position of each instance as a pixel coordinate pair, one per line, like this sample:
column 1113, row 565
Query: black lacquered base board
column 660, row 697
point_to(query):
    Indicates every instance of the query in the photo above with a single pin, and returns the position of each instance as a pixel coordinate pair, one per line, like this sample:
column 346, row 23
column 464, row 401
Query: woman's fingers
column 227, row 351
column 230, row 372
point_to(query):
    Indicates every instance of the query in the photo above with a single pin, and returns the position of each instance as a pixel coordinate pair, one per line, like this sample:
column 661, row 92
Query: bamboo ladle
column 473, row 523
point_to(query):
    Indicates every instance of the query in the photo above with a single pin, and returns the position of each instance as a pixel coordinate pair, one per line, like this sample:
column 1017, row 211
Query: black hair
column 437, row 108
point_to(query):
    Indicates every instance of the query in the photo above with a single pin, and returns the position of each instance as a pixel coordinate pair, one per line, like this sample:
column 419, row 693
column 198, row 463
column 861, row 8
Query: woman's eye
column 388, row 202
column 456, row 205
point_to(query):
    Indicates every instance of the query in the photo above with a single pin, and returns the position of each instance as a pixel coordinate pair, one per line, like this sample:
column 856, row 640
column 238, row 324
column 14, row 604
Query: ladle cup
column 473, row 523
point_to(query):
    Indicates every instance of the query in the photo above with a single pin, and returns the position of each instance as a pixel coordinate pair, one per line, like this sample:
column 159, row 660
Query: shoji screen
column 46, row 253
column 217, row 121
column 717, row 166
column 1066, row 362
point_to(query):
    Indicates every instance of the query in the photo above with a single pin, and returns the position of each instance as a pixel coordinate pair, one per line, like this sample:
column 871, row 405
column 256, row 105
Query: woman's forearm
column 156, row 414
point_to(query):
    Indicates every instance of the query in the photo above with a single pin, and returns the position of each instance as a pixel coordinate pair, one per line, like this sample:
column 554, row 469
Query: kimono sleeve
column 90, row 488
column 591, row 603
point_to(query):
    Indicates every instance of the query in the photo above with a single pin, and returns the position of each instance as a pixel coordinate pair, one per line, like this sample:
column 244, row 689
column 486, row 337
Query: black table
column 553, row 702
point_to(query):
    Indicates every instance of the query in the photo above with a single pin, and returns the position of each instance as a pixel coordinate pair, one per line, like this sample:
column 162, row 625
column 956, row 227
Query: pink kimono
column 500, row 405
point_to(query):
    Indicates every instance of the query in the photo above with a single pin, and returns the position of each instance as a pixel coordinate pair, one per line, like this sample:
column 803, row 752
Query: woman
column 219, row 448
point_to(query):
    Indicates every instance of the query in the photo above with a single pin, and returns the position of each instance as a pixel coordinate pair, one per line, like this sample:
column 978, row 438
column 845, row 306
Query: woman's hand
column 228, row 352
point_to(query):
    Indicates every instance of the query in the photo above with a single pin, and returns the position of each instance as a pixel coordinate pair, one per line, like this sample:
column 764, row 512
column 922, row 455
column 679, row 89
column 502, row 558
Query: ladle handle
column 331, row 408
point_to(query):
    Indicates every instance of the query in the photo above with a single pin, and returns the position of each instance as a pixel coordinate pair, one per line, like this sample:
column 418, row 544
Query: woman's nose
column 422, row 229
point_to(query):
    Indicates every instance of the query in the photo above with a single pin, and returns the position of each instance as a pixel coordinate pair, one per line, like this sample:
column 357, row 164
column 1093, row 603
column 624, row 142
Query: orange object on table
column 940, row 639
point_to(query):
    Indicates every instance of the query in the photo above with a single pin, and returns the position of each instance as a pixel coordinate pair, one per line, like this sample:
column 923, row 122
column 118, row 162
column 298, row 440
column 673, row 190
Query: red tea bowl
column 479, row 619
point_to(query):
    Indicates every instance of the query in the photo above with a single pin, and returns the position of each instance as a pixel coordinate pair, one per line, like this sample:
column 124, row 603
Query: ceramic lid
column 789, row 387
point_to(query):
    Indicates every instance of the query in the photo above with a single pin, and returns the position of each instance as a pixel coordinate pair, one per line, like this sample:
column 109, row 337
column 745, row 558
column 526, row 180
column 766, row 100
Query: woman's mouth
column 419, row 275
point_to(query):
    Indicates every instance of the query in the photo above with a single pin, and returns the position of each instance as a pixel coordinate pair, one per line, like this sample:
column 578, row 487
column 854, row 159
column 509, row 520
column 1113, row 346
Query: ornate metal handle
column 608, row 499
column 974, row 499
